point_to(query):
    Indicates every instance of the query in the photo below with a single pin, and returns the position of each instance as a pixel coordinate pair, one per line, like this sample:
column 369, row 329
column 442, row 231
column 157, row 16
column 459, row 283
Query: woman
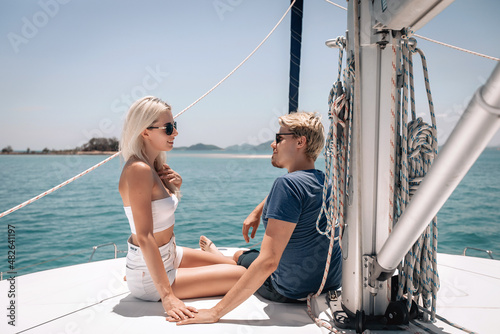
column 156, row 268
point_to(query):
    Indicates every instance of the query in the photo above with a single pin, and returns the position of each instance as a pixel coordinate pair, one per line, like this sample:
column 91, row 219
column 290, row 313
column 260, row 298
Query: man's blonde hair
column 306, row 124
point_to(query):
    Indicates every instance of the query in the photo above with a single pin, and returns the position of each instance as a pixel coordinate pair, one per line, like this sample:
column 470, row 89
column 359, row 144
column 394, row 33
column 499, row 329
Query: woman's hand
column 202, row 317
column 176, row 309
column 168, row 175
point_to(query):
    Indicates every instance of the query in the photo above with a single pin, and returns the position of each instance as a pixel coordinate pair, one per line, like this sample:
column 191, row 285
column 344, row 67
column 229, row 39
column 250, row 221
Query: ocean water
column 219, row 191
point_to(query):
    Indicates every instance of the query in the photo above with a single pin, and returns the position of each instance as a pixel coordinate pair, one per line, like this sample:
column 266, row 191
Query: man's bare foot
column 208, row 246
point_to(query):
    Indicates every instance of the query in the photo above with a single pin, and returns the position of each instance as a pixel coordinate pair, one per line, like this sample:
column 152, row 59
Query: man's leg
column 267, row 290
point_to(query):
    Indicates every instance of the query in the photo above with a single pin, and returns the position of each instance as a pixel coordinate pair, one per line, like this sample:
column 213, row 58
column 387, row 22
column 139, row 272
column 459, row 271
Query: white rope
column 458, row 48
column 434, row 41
column 116, row 154
column 335, row 166
column 5, row 213
column 237, row 67
column 333, row 3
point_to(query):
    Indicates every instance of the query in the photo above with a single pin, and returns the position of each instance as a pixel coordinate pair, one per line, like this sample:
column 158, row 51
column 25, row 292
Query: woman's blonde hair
column 142, row 114
column 306, row 124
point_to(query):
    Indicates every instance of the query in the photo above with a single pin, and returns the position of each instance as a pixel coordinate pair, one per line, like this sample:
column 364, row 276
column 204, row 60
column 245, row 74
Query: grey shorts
column 139, row 280
column 267, row 289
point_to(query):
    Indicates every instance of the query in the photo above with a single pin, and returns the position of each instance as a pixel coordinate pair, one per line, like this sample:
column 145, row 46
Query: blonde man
column 291, row 261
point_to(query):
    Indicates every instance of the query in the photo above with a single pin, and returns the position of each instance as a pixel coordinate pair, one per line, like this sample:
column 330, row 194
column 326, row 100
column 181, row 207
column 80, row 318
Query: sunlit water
column 219, row 191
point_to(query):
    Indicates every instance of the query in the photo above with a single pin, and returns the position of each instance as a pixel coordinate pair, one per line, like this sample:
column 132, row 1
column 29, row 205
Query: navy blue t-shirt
column 297, row 198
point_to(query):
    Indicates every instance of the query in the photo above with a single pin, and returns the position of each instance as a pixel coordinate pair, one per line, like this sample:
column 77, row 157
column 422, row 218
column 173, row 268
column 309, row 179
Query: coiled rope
column 417, row 148
column 5, row 213
column 337, row 153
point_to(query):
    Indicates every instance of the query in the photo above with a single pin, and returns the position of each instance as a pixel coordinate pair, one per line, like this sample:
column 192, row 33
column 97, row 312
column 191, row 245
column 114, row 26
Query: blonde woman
column 157, row 269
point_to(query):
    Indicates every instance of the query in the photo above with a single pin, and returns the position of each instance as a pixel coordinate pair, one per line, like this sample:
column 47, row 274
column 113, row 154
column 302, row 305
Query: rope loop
column 337, row 153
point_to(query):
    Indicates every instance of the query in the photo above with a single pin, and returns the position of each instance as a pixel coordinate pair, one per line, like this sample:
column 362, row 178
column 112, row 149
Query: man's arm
column 278, row 233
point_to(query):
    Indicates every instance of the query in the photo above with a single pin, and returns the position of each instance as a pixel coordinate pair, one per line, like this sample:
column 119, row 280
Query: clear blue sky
column 75, row 66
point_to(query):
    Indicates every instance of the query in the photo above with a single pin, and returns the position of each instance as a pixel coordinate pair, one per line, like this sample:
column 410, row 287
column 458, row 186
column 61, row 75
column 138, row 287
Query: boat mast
column 295, row 46
column 375, row 31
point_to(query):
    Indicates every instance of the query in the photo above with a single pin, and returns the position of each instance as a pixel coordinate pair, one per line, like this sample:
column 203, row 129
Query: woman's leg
column 208, row 255
column 197, row 258
column 207, row 245
column 206, row 281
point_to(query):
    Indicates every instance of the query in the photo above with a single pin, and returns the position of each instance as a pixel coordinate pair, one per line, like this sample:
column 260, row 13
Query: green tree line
column 94, row 144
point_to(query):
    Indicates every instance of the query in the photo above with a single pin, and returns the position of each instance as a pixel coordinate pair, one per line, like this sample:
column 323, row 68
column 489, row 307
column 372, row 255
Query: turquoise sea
column 219, row 191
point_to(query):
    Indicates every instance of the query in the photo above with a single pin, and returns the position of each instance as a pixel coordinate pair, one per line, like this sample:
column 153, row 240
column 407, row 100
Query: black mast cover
column 295, row 44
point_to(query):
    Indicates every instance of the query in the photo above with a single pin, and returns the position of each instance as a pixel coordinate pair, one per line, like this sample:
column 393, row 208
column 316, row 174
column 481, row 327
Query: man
column 293, row 254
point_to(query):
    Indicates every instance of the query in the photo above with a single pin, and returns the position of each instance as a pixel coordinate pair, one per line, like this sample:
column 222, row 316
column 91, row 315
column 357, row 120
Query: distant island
column 110, row 146
column 264, row 147
column 93, row 146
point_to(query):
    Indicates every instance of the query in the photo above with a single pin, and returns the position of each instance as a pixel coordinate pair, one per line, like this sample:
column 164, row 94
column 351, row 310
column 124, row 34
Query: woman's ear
column 145, row 134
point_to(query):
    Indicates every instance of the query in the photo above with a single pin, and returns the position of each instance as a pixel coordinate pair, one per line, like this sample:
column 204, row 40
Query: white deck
column 93, row 298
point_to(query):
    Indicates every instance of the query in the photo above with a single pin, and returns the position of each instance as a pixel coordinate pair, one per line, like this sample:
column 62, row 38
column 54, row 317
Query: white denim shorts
column 139, row 281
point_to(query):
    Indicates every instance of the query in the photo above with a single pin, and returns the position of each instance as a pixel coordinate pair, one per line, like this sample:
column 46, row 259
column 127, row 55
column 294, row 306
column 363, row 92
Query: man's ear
column 301, row 142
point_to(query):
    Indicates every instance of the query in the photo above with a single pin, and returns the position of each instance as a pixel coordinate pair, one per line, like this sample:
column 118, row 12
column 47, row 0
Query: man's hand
column 168, row 175
column 202, row 317
column 176, row 309
column 252, row 221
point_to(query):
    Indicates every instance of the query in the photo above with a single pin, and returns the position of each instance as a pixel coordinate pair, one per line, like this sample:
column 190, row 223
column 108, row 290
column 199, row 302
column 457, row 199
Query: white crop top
column 163, row 214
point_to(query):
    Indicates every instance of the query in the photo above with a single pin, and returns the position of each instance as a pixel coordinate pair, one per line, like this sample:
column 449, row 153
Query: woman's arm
column 140, row 186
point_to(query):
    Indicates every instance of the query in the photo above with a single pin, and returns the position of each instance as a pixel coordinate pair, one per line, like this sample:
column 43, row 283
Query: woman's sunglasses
column 278, row 136
column 169, row 128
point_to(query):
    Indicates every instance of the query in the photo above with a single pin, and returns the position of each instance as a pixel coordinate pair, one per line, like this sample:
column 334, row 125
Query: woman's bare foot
column 208, row 246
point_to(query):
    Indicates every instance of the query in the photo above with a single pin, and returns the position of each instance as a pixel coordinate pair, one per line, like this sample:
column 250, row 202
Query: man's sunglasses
column 278, row 136
column 169, row 128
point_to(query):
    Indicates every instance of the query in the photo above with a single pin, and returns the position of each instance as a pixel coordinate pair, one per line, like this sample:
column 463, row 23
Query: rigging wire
column 434, row 41
column 457, row 48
